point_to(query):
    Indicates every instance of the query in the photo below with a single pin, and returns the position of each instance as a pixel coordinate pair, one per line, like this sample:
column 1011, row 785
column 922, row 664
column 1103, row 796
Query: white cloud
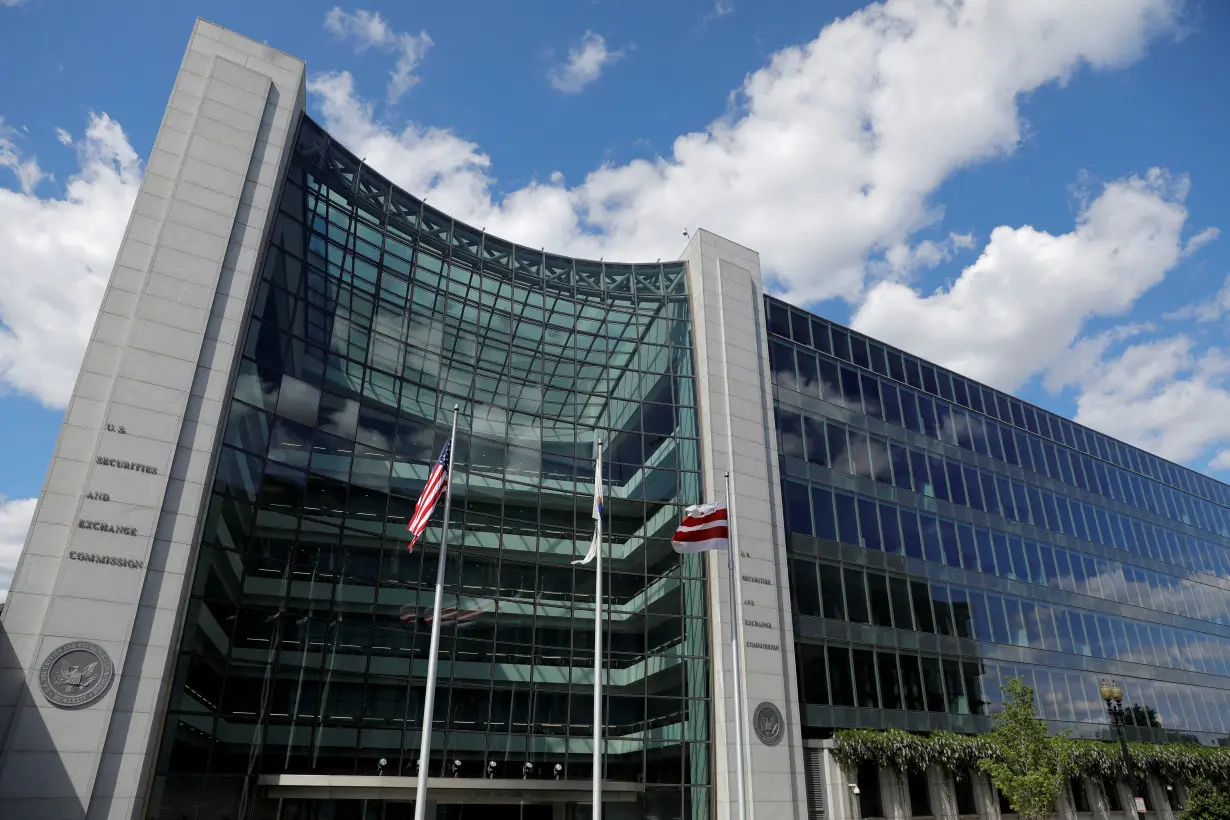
column 367, row 29
column 721, row 8
column 1018, row 309
column 28, row 174
column 902, row 260
column 1162, row 395
column 15, row 518
column 584, row 64
column 11, row 2
column 1206, row 310
column 829, row 157
column 1200, row 240
column 58, row 253
column 1220, row 462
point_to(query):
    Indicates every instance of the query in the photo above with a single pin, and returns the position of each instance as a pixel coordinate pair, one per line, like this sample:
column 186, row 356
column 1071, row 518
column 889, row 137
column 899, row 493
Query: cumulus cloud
column 1220, row 462
column 1018, row 309
column 58, row 253
column 15, row 518
column 584, row 64
column 367, row 29
column 827, row 157
column 1163, row 395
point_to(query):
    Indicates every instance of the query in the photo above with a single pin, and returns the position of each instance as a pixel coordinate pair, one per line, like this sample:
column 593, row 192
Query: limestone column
column 1158, row 797
column 1126, row 798
column 1180, row 792
column 894, row 795
column 1098, row 803
column 985, row 797
column 943, row 795
column 1065, row 809
column 840, row 802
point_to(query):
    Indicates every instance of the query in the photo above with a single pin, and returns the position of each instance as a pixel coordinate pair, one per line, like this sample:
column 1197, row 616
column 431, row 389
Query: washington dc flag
column 704, row 527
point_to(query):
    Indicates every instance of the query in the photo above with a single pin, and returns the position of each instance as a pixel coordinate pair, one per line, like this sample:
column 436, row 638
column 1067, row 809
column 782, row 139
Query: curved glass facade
column 944, row 535
column 304, row 648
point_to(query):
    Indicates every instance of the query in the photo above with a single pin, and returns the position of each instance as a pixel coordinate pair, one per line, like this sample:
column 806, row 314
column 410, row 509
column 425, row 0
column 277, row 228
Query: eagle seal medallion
column 768, row 724
column 76, row 674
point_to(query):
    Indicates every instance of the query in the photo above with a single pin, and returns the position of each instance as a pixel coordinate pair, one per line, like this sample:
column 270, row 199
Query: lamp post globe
column 1104, row 690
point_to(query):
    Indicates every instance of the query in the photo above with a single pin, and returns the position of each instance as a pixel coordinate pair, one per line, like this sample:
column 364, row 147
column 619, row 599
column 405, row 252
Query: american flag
column 426, row 505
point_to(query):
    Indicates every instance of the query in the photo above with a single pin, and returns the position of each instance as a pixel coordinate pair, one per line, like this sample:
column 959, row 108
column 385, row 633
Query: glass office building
column 944, row 535
column 215, row 615
column 307, row 634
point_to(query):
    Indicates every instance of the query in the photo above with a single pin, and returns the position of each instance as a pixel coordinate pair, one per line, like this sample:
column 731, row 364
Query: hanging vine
column 904, row 751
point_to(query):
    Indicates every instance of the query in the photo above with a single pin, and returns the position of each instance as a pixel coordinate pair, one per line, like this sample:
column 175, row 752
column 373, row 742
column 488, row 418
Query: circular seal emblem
column 768, row 724
column 76, row 674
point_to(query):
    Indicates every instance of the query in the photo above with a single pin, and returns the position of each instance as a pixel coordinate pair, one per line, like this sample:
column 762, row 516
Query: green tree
column 1028, row 766
column 1205, row 802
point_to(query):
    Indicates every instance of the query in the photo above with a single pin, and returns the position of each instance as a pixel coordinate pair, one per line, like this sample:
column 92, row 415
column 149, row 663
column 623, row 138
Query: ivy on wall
column 903, row 751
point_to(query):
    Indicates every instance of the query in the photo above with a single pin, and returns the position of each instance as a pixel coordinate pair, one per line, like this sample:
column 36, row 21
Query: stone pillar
column 894, row 795
column 104, row 577
column 943, row 795
column 1126, row 798
column 1065, row 808
column 1157, row 796
column 1098, row 803
column 840, row 802
column 985, row 797
column 735, row 408
column 1180, row 793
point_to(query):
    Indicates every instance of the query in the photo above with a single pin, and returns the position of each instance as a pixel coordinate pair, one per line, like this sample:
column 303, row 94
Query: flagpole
column 740, row 774
column 597, row 762
column 429, row 697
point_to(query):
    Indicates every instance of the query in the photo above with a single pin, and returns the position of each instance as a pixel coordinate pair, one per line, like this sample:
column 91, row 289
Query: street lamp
column 1112, row 695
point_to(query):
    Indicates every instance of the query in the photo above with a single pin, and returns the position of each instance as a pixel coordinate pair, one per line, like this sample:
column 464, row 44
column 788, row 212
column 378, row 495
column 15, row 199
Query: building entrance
column 525, row 811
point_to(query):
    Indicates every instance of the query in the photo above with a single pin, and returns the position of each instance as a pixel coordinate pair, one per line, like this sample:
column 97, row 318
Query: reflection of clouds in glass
column 880, row 460
column 1178, row 596
column 859, row 458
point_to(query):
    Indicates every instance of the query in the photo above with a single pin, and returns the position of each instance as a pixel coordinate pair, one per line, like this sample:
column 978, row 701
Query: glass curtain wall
column 305, row 647
column 944, row 535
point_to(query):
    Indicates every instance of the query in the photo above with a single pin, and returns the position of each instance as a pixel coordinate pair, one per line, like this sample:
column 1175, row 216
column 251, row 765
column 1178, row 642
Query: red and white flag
column 436, row 482
column 704, row 527
column 451, row 615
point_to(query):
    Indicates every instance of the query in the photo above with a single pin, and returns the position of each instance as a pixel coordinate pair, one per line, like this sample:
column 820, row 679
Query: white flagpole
column 597, row 763
column 429, row 697
column 732, row 545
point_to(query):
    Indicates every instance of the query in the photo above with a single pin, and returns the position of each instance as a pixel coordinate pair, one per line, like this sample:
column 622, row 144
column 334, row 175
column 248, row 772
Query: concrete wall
column 727, row 304
column 135, row 450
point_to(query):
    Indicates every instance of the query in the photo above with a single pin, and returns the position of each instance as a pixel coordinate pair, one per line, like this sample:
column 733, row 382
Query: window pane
column 922, row 607
column 805, row 587
column 903, row 610
column 822, row 507
column 841, row 682
column 911, row 683
column 933, row 684
column 865, row 679
column 832, row 596
column 890, row 683
column 881, row 609
column 856, row 596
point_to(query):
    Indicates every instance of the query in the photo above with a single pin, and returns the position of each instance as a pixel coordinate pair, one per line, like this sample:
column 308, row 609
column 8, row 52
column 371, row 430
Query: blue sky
column 1057, row 170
